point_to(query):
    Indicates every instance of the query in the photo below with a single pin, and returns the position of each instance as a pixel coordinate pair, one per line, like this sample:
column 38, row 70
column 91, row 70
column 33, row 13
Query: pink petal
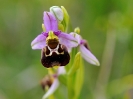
column 39, row 42
column 88, row 56
column 61, row 70
column 77, row 37
column 52, row 89
column 50, row 22
column 68, row 40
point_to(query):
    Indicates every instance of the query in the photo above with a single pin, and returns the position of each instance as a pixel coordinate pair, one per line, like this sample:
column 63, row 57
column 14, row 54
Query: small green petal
column 43, row 28
column 61, row 27
column 65, row 21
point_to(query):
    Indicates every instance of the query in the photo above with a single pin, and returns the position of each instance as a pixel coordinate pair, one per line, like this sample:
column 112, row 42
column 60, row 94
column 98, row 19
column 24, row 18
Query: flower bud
column 57, row 11
column 77, row 30
column 62, row 16
column 46, row 82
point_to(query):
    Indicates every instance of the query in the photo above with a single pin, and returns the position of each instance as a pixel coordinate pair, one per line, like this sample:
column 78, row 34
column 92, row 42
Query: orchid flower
column 53, row 43
column 52, row 82
column 55, row 47
column 85, row 51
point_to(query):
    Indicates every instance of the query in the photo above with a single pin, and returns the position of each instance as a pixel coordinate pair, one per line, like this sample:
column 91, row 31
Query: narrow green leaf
column 79, row 77
column 70, row 84
column 76, row 64
column 75, row 77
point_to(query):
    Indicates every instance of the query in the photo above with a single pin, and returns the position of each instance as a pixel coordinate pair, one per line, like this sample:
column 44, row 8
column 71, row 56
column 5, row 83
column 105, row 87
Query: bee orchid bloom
column 53, row 43
column 55, row 82
column 85, row 51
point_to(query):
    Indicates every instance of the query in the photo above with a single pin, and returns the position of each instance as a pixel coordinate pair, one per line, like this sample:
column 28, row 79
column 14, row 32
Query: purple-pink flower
column 53, row 43
column 85, row 51
column 51, row 81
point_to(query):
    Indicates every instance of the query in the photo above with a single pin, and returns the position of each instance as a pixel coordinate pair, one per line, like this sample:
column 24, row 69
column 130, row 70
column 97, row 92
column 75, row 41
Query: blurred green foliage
column 108, row 27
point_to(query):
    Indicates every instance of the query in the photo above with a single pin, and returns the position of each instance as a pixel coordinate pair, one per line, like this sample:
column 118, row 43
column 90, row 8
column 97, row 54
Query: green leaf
column 75, row 77
column 76, row 64
column 70, row 83
column 79, row 77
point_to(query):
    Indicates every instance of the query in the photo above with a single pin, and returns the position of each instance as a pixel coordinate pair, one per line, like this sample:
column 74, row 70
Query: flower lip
column 55, row 57
column 52, row 43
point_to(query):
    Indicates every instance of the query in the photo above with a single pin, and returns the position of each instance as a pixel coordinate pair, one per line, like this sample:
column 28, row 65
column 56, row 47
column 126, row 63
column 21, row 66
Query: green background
column 107, row 25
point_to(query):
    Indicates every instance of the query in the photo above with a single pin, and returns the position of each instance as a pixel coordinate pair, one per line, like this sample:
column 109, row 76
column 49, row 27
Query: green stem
column 106, row 65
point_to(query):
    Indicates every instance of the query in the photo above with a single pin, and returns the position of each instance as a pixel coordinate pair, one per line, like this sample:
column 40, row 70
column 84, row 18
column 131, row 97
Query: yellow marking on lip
column 51, row 35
